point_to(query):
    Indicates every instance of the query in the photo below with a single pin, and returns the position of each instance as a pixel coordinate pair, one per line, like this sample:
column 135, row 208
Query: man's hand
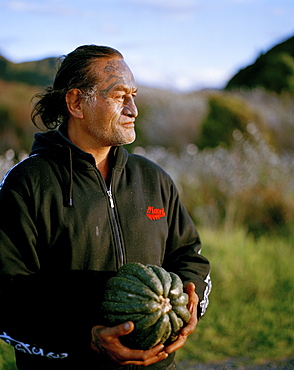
column 105, row 340
column 191, row 325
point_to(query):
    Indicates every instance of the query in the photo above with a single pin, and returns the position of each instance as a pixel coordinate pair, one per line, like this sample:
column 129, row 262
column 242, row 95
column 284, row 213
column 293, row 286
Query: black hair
column 74, row 72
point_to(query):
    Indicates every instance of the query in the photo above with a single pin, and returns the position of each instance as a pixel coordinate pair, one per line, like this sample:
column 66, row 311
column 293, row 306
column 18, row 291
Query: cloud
column 202, row 78
column 152, row 73
column 166, row 5
column 44, row 7
column 19, row 5
column 22, row 5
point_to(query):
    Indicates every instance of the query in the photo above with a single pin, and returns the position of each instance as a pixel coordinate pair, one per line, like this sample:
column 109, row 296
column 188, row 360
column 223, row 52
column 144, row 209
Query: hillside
column 273, row 71
column 36, row 73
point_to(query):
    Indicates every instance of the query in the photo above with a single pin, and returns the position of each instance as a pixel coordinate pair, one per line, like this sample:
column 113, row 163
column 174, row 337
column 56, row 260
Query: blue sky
column 180, row 44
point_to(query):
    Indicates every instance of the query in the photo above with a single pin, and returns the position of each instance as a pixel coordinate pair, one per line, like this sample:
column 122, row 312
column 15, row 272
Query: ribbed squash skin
column 152, row 298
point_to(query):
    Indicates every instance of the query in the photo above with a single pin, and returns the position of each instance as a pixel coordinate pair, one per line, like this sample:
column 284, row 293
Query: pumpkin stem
column 165, row 305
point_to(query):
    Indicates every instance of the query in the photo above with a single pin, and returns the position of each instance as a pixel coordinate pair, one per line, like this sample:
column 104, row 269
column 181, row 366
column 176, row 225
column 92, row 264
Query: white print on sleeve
column 27, row 348
column 204, row 303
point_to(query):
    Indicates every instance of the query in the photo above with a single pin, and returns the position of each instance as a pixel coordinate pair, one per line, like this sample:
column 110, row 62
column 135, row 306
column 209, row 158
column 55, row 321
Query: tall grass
column 251, row 304
column 7, row 360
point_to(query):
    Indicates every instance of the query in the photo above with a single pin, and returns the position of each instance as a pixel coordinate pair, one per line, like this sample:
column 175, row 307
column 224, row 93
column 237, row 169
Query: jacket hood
column 56, row 145
column 55, row 141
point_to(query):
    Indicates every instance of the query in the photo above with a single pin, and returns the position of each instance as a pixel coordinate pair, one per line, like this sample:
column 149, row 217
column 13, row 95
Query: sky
column 175, row 44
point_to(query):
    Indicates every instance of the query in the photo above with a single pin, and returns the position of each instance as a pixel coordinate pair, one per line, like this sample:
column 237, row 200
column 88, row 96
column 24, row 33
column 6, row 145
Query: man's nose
column 130, row 109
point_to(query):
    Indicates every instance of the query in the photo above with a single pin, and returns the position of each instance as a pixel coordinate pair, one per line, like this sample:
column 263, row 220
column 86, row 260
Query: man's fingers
column 106, row 340
column 179, row 343
column 149, row 361
column 193, row 298
column 115, row 331
column 141, row 357
column 122, row 329
column 192, row 307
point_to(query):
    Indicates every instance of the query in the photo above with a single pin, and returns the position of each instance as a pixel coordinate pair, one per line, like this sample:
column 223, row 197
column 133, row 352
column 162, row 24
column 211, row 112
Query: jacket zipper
column 120, row 253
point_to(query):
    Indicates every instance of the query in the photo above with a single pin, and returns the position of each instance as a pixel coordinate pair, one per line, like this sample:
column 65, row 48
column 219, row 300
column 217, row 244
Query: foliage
column 251, row 305
column 7, row 359
column 273, row 70
column 276, row 112
column 212, row 118
column 228, row 116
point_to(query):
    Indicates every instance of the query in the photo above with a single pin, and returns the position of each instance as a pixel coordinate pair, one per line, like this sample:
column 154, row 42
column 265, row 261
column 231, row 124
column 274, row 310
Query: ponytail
column 50, row 108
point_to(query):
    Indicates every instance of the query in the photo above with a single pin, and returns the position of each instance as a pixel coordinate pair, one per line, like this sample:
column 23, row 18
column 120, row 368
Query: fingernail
column 127, row 326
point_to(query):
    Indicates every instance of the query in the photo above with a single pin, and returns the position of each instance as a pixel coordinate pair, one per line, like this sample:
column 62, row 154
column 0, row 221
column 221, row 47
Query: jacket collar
column 56, row 145
column 56, row 141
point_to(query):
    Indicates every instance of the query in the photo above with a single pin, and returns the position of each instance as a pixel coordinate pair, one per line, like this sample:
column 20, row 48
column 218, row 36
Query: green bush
column 228, row 120
column 225, row 115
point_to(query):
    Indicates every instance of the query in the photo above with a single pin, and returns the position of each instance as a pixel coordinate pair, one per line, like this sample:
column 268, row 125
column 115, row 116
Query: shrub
column 228, row 119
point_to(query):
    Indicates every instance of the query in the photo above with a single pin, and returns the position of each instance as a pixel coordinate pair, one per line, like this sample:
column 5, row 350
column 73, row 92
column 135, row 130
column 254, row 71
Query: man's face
column 109, row 118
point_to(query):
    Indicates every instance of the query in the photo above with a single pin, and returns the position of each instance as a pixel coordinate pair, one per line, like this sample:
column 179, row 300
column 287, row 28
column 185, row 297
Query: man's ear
column 73, row 100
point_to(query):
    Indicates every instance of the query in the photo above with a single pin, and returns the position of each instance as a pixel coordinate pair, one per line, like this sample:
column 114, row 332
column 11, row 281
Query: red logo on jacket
column 155, row 213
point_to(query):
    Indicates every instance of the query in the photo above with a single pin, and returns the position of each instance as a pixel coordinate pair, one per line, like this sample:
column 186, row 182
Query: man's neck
column 101, row 154
column 102, row 162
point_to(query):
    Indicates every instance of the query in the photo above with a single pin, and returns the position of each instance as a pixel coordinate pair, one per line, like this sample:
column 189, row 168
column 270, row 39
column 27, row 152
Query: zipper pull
column 110, row 198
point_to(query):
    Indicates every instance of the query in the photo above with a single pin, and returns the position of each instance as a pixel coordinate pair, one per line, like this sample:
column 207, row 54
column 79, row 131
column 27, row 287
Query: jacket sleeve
column 183, row 254
column 41, row 313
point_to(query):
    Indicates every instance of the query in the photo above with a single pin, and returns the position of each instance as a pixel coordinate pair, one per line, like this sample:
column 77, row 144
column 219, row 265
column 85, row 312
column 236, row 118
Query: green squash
column 150, row 297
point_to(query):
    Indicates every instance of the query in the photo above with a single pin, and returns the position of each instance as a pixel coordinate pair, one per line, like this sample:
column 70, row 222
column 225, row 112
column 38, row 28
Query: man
column 75, row 211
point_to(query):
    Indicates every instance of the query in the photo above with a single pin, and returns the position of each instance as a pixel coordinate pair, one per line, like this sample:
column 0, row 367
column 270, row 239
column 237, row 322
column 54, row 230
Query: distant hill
column 37, row 73
column 274, row 70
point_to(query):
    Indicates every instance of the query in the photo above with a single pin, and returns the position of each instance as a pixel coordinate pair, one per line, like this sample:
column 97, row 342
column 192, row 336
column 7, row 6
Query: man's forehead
column 114, row 72
column 110, row 66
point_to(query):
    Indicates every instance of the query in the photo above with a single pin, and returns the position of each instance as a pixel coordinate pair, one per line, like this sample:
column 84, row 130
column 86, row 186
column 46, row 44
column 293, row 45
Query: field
column 250, row 317
column 251, row 312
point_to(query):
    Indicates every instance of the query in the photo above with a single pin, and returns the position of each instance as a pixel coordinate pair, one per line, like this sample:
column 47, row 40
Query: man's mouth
column 129, row 124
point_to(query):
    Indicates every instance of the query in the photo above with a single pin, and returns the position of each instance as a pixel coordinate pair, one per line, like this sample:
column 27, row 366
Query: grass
column 7, row 360
column 251, row 304
column 251, row 311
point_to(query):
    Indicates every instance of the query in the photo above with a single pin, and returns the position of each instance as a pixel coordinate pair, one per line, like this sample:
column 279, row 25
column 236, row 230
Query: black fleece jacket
column 64, row 232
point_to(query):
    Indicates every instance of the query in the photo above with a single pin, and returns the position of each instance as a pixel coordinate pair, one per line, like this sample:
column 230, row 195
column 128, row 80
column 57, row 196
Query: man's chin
column 130, row 140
